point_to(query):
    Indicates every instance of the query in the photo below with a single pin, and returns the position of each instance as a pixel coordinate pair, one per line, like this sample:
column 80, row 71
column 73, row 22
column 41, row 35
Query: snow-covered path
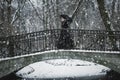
column 62, row 68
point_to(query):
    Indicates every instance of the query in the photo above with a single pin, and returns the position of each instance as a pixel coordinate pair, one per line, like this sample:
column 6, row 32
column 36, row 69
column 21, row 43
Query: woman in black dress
column 65, row 41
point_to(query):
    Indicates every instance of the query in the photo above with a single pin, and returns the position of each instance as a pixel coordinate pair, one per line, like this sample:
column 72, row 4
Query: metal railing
column 46, row 40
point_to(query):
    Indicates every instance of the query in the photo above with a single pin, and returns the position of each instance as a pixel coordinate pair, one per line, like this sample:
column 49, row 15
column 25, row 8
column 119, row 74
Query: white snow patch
column 62, row 68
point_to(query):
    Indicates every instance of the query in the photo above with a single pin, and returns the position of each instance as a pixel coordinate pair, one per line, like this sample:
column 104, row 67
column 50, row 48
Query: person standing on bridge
column 65, row 41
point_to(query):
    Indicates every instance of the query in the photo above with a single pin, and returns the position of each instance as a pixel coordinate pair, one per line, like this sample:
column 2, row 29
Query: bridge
column 99, row 46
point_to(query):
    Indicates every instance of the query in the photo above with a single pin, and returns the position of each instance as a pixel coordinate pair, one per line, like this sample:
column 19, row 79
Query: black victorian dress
column 65, row 41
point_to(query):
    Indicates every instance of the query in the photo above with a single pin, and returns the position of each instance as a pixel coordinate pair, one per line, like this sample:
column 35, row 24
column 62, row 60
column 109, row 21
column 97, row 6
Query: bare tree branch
column 35, row 10
column 77, row 8
column 15, row 17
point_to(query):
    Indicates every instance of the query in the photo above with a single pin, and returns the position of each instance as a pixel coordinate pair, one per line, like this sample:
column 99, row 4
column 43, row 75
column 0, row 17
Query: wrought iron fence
column 46, row 40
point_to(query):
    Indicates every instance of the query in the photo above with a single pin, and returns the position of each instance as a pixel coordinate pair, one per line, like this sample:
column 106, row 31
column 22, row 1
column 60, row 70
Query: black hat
column 66, row 17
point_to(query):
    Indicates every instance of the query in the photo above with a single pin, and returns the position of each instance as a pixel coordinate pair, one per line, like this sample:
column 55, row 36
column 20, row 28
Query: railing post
column 11, row 46
column 105, row 41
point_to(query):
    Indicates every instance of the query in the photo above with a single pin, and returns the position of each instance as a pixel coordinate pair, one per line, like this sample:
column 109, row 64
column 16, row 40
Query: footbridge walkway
column 99, row 46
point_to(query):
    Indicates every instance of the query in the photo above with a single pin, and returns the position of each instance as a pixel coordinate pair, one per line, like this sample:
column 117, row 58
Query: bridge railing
column 46, row 40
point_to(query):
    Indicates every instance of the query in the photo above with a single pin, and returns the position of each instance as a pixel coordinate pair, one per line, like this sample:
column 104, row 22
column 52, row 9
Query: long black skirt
column 65, row 41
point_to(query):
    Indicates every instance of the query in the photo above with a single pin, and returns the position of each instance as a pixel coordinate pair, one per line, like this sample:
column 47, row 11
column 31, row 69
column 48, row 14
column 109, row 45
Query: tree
column 107, row 23
column 7, row 28
column 8, row 17
column 115, row 14
column 5, row 18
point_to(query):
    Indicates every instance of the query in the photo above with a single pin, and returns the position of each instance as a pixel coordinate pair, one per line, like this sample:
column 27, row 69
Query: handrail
column 46, row 40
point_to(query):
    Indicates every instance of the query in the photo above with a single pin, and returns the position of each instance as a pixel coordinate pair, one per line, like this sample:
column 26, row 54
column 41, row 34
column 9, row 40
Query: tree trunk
column 44, row 21
column 11, row 40
column 57, row 15
column 107, row 23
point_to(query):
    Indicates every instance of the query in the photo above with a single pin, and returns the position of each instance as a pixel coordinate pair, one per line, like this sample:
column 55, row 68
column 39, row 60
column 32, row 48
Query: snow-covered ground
column 62, row 68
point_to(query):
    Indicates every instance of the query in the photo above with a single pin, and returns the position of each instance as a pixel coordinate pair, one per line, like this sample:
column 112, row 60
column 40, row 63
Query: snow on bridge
column 102, row 47
column 107, row 58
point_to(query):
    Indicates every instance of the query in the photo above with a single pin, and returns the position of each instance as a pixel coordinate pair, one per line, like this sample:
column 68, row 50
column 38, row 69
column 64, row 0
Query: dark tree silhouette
column 107, row 23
